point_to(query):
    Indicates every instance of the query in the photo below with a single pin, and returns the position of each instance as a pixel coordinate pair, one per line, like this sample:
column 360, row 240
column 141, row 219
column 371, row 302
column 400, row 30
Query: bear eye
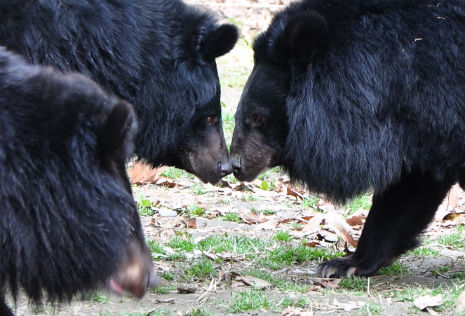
column 256, row 118
column 211, row 120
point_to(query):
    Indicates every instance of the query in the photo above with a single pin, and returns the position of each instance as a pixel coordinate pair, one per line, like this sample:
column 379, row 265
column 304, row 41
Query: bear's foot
column 348, row 266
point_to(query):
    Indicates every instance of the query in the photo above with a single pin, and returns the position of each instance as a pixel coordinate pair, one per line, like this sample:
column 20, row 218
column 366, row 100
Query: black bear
column 68, row 222
column 353, row 95
column 158, row 55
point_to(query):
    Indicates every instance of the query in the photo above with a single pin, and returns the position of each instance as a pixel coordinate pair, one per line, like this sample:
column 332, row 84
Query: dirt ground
column 178, row 207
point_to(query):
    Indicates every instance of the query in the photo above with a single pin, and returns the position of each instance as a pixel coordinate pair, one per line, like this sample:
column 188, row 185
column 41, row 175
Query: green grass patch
column 453, row 241
column 284, row 256
column 175, row 173
column 155, row 247
column 423, row 252
column 280, row 283
column 196, row 210
column 235, row 244
column 249, row 198
column 249, row 300
column 199, row 311
column 283, row 236
column 264, row 212
column 224, row 201
column 183, row 244
column 354, row 283
column 231, row 178
column 440, row 271
column 459, row 275
column 164, row 289
column 198, row 189
column 370, row 308
column 361, row 202
column 295, row 302
column 232, row 217
column 144, row 206
column 396, row 268
column 201, row 269
column 167, row 276
column 310, row 202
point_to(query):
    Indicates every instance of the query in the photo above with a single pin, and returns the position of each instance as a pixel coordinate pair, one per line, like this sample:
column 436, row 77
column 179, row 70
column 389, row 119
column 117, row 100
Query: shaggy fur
column 68, row 221
column 157, row 54
column 374, row 95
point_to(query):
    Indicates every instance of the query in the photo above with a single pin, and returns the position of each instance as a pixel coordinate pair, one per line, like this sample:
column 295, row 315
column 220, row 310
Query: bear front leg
column 4, row 309
column 397, row 216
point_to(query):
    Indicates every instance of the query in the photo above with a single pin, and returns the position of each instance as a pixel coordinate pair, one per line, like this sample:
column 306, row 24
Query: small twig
column 208, row 290
column 368, row 286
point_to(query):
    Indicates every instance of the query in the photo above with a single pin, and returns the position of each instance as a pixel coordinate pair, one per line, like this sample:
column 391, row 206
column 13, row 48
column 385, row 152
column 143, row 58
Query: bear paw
column 337, row 268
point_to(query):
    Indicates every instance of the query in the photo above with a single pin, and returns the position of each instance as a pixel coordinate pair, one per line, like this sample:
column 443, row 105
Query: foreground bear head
column 68, row 222
column 157, row 54
column 351, row 96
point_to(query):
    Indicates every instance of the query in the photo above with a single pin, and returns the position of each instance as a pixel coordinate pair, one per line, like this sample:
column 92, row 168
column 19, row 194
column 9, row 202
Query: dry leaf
column 328, row 236
column 254, row 282
column 348, row 306
column 296, row 312
column 338, row 223
column 423, row 302
column 293, row 192
column 162, row 181
column 191, row 222
column 251, row 218
column 328, row 283
column 142, row 173
column 358, row 218
column 313, row 225
column 449, row 204
column 237, row 284
column 271, row 224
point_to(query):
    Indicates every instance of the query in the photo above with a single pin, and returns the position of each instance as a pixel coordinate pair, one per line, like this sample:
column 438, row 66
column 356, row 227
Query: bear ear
column 304, row 34
column 218, row 41
column 115, row 134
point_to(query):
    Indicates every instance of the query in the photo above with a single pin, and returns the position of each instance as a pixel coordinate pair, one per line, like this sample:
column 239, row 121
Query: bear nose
column 236, row 165
column 224, row 168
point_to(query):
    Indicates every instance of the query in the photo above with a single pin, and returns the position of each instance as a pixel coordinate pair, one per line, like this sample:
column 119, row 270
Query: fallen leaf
column 237, row 284
column 449, row 203
column 313, row 225
column 191, row 222
column 251, row 218
column 296, row 312
column 328, row 236
column 162, row 181
column 328, row 283
column 293, row 192
column 358, row 218
column 271, row 224
column 348, row 306
column 422, row 302
column 254, row 282
column 338, row 223
column 142, row 173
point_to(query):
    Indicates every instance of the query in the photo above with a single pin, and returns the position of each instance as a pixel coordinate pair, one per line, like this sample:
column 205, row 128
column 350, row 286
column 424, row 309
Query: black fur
column 374, row 95
column 68, row 221
column 157, row 54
